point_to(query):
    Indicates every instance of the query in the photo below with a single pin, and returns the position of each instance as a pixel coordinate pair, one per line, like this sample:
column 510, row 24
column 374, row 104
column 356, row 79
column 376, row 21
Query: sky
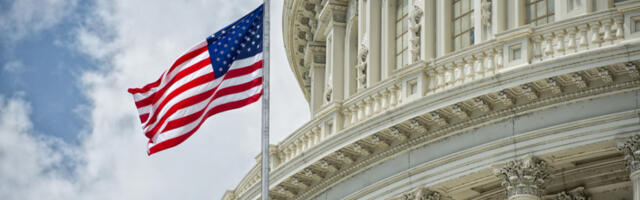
column 68, row 127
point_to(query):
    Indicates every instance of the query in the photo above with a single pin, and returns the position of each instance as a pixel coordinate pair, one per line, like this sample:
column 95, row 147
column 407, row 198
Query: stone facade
column 530, row 108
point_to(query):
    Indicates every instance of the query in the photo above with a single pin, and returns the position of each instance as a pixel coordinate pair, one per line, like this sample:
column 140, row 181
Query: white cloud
column 14, row 67
column 25, row 17
column 30, row 167
column 135, row 41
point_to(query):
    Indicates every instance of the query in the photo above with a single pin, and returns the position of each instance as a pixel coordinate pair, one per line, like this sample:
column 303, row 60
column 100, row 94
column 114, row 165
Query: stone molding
column 574, row 194
column 524, row 176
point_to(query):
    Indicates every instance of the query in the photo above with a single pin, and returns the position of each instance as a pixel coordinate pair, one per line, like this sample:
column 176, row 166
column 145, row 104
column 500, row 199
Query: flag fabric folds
column 221, row 73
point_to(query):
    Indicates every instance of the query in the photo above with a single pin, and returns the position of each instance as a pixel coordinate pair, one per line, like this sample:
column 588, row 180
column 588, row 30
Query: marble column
column 631, row 150
column 524, row 178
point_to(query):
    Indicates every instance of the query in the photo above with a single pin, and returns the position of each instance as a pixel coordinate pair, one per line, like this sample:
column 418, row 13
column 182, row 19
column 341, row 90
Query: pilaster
column 631, row 150
column 334, row 16
column 524, row 178
column 372, row 40
column 388, row 37
column 315, row 58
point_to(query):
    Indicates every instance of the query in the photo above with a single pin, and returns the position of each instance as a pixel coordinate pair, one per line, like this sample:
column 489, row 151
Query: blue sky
column 44, row 67
column 69, row 129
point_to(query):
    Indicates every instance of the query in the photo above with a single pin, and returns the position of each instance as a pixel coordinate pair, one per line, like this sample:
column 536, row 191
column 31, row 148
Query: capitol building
column 460, row 100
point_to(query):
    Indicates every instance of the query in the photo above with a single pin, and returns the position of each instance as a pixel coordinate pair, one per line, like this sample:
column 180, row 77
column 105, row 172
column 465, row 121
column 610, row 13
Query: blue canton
column 242, row 39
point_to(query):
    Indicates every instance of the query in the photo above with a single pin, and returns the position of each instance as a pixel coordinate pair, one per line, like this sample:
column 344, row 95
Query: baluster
column 303, row 143
column 347, row 117
column 368, row 106
column 296, row 148
column 548, row 48
column 489, row 63
column 376, row 103
column 468, row 69
column 608, row 36
column 431, row 81
column 439, row 78
column 477, row 66
column 595, row 33
column 354, row 114
column 499, row 60
column 384, row 101
column 457, row 72
column 619, row 30
column 582, row 36
column 571, row 46
column 537, row 47
column 560, row 42
column 448, row 75
column 316, row 131
column 396, row 89
column 360, row 105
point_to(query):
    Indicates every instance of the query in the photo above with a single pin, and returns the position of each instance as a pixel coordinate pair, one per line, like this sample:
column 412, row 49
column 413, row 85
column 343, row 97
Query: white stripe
column 159, row 138
column 184, row 95
column 144, row 110
column 167, row 78
column 206, row 70
column 198, row 90
column 199, row 106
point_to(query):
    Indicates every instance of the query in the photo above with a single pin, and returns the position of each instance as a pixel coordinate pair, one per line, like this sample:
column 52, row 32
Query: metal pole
column 265, row 101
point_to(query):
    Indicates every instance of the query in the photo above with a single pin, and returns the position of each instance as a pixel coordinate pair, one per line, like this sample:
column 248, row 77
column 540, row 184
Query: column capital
column 631, row 150
column 526, row 176
column 421, row 194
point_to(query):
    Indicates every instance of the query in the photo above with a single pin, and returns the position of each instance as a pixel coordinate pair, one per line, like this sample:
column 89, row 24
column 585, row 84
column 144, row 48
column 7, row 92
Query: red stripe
column 173, row 124
column 218, row 109
column 146, row 87
column 182, row 104
column 144, row 117
column 230, row 73
column 245, row 70
column 178, row 62
column 204, row 79
column 153, row 98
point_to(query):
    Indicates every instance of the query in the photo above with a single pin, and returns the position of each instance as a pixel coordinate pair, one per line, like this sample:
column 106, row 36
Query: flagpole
column 265, row 101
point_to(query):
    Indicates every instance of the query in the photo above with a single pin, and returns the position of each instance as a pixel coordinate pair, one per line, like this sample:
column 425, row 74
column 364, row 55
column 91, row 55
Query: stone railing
column 519, row 47
column 382, row 97
column 577, row 35
column 478, row 62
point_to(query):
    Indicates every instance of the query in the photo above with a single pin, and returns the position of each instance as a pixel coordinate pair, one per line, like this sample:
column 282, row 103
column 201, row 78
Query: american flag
column 223, row 72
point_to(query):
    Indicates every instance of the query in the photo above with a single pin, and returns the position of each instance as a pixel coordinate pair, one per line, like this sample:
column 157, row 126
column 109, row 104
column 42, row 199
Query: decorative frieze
column 553, row 86
column 328, row 166
column 525, row 176
column 417, row 127
column 459, row 112
column 574, row 194
column 505, row 98
column 395, row 133
column 481, row 105
column 579, row 81
column 363, row 151
column 421, row 194
column 528, row 92
column 605, row 75
column 341, row 156
column 437, row 119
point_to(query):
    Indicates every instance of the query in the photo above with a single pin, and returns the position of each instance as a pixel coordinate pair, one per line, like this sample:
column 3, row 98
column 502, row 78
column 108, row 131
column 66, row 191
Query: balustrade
column 476, row 63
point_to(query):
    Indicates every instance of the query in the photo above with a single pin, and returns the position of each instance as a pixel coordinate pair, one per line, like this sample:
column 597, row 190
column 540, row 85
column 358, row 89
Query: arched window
column 402, row 36
column 462, row 24
column 540, row 12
